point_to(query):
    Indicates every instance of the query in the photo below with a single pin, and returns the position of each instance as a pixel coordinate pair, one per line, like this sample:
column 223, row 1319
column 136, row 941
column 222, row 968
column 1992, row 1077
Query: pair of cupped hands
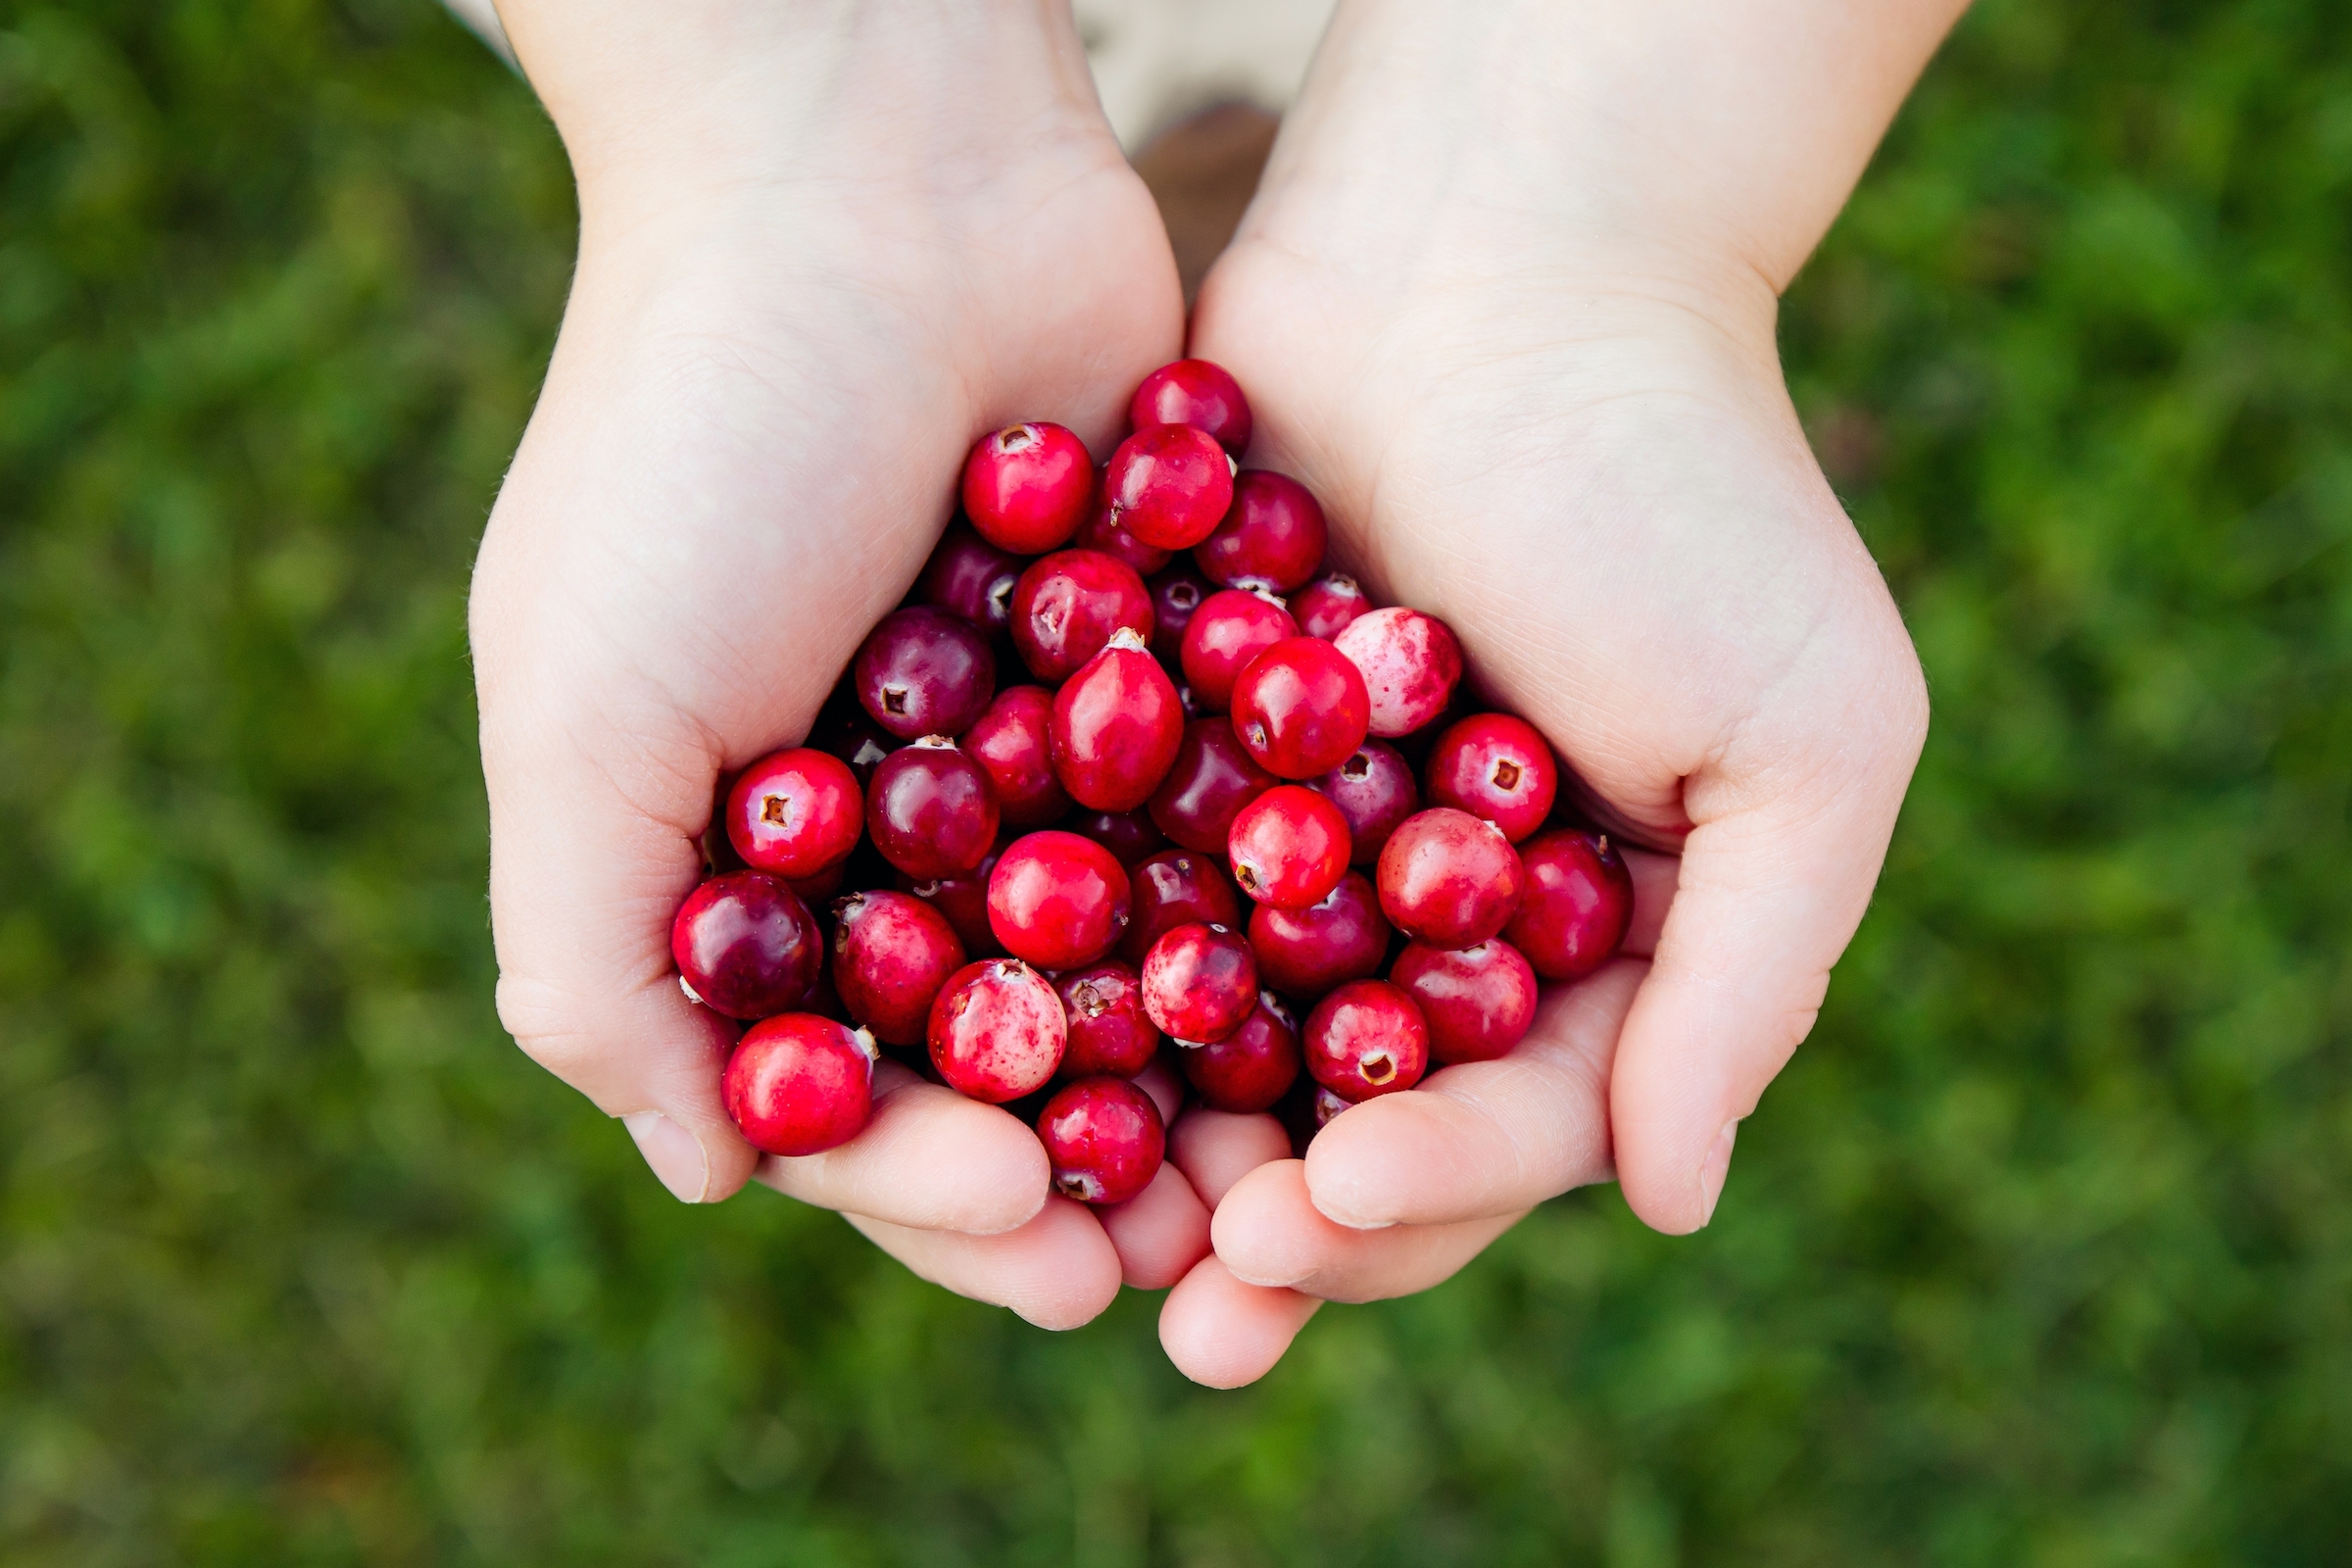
column 814, row 269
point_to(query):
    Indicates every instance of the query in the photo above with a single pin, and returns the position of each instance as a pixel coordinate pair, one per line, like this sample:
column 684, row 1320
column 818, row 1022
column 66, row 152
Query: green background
column 2039, row 1253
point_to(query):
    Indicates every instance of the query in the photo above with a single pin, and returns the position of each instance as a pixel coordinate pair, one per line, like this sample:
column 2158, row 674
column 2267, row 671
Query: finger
column 1222, row 1333
column 1159, row 1233
column 1058, row 1271
column 1269, row 1233
column 930, row 1159
column 1654, row 877
column 1215, row 1149
column 1485, row 1138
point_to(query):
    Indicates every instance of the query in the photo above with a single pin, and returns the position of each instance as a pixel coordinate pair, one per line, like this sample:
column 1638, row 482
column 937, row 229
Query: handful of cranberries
column 1232, row 795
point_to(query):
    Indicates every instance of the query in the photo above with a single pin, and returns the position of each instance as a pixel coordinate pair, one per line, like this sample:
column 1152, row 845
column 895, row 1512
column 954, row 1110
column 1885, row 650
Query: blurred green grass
column 2040, row 1252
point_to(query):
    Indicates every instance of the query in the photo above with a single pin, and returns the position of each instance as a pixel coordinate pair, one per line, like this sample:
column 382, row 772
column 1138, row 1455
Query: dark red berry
column 746, row 946
column 1176, row 596
column 1101, row 532
column 1327, row 1105
column 795, row 813
column 891, row 954
column 1304, row 952
column 1578, row 901
column 800, row 1083
column 1301, row 707
column 970, row 577
column 1026, row 487
column 963, row 902
column 1104, row 1138
column 1479, row 1002
column 924, row 670
column 1169, row 485
column 1230, row 628
column 1289, row 848
column 1109, row 1030
column 1272, row 539
column 1449, row 878
column 931, row 813
column 1211, row 779
column 1131, row 836
column 996, row 1031
column 1410, row 664
column 1199, row 982
column 1057, row 900
column 1068, row 605
column 814, row 890
column 847, row 731
column 1013, row 744
column 1180, row 887
column 1374, row 791
column 1366, row 1039
column 1497, row 767
column 1117, row 727
column 1197, row 393
column 1251, row 1068
column 1325, row 606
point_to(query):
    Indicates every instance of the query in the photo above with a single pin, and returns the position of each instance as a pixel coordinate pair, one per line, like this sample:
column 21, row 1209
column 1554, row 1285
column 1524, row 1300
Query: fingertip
column 929, row 1159
column 1365, row 1169
column 1217, row 1149
column 1074, row 1273
column 1268, row 1230
column 1159, row 1234
column 1223, row 1333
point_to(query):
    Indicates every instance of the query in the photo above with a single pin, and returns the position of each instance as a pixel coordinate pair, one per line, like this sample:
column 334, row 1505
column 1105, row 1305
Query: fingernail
column 673, row 1152
column 1717, row 1167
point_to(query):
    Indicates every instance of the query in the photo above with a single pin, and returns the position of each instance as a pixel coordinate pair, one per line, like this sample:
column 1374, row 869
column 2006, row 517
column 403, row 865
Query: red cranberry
column 800, row 1083
column 1169, row 485
column 891, row 954
column 970, row 577
column 1374, row 791
column 1326, row 606
column 1177, row 887
column 1304, row 952
column 925, row 671
column 1068, row 603
column 1057, row 900
column 1211, row 779
column 1227, row 631
column 814, row 891
column 1289, row 848
column 1449, row 879
column 1327, row 1105
column 1117, row 727
column 1176, row 595
column 1199, row 982
column 1479, row 1002
column 1251, row 1068
column 1128, row 835
column 1301, row 707
column 963, row 902
column 1273, row 538
column 1197, row 393
column 1025, row 487
column 1366, row 1039
column 996, row 1031
column 847, row 731
column 931, row 813
column 1410, row 664
column 1578, row 904
column 1497, row 767
column 1013, row 744
column 795, row 813
column 745, row 945
column 1104, row 1139
column 1101, row 531
column 1109, row 1030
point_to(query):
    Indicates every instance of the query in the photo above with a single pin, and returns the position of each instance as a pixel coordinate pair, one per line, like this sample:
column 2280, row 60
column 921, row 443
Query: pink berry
column 1176, row 597
column 1448, row 879
column 800, row 1083
column 1117, row 727
column 1374, row 791
column 931, row 813
column 1110, row 1033
column 1578, row 901
column 1496, row 765
column 1211, row 779
column 1272, row 539
column 961, row 901
column 1101, row 531
column 1130, row 836
column 1366, row 1039
column 996, row 1031
column 1197, row 393
column 1228, row 630
column 1199, row 982
column 924, row 670
column 1178, row 887
column 1325, row 606
column 1479, row 1002
column 795, row 813
column 891, row 954
column 1251, row 1068
column 1301, row 707
column 1410, row 664
column 1104, row 1138
column 746, row 946
column 1289, row 848
column 971, row 578
column 1068, row 603
column 1057, row 900
column 1305, row 952
column 1012, row 743
column 1025, row 487
column 1169, row 485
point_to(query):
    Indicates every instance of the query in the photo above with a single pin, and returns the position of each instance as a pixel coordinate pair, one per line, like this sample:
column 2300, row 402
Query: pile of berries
column 1233, row 793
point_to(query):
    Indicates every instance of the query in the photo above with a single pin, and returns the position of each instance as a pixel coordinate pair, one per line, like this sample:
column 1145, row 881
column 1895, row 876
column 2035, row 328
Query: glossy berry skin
column 963, row 902
column 1178, row 887
column 1057, row 900
column 1068, row 605
column 1479, row 1002
column 1327, row 605
column 1177, row 595
column 1496, row 765
column 1195, row 392
column 1013, row 744
column 1101, row 531
column 930, row 812
column 795, row 813
column 970, row 577
column 1289, row 848
column 1365, row 1039
column 1251, row 1068
column 1131, row 836
column 1230, row 628
column 996, row 1031
column 1304, row 952
column 1117, row 727
column 924, row 670
column 1026, row 487
column 891, row 954
column 1169, row 485
column 1272, row 539
column 1410, row 662
column 1211, row 779
column 746, row 946
column 1104, row 1138
column 1301, row 707
column 799, row 1085
column 1449, row 879
column 1199, row 982
column 1578, row 901
column 1109, row 1032
column 1374, row 790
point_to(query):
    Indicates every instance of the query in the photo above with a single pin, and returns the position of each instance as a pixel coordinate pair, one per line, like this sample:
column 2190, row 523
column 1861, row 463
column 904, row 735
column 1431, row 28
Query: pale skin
column 1505, row 301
